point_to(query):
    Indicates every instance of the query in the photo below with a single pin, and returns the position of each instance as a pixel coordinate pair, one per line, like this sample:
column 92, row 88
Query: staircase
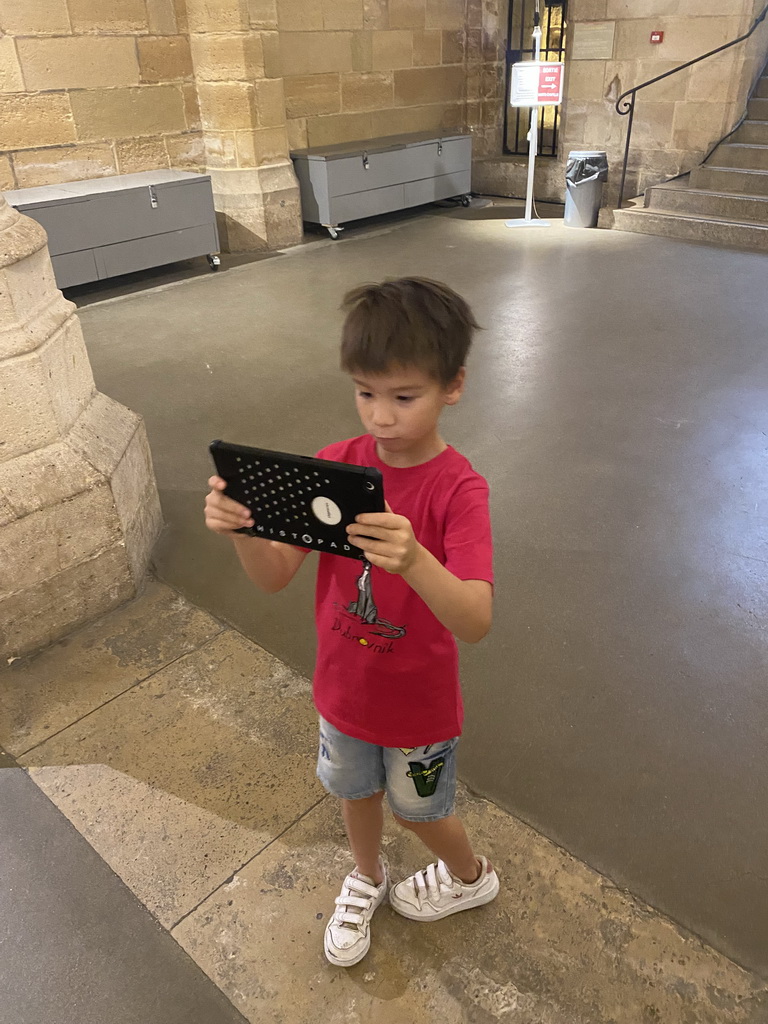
column 724, row 201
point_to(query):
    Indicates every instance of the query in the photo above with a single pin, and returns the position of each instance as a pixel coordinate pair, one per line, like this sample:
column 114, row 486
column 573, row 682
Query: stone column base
column 258, row 209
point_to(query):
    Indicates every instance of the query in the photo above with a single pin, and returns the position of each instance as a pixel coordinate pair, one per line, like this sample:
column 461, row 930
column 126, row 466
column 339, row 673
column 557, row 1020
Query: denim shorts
column 420, row 782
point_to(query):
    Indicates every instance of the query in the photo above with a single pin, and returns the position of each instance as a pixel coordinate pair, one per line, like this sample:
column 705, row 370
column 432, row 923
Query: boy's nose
column 382, row 417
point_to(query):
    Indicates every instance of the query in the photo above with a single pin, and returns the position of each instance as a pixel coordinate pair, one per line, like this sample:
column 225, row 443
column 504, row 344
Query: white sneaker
column 348, row 933
column 434, row 893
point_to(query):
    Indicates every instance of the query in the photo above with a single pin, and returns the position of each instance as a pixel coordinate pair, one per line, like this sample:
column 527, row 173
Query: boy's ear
column 455, row 389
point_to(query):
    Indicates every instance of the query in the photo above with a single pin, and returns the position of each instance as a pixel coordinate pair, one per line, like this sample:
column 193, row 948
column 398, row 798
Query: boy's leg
column 448, row 841
column 364, row 822
column 421, row 786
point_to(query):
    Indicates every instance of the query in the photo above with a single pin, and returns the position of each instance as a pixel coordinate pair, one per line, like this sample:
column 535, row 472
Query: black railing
column 625, row 104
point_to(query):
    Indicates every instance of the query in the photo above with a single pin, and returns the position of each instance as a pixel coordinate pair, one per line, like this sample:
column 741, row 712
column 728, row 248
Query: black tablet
column 298, row 500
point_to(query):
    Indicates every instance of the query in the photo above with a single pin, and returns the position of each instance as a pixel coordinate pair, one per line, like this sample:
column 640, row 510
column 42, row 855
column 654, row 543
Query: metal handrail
column 626, row 106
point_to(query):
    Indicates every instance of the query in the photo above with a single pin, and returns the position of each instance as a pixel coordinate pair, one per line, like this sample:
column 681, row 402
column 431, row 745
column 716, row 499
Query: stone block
column 142, row 531
column 311, row 95
column 105, row 16
column 427, row 48
column 7, row 179
column 336, row 128
column 585, row 80
column 227, row 106
column 392, row 50
column 37, row 616
column 10, row 70
column 78, row 62
column 131, row 478
column 588, row 10
column 282, row 212
column 161, row 18
column 228, row 58
column 633, row 8
column 362, row 51
column 474, row 46
column 69, row 163
column 712, row 81
column 194, row 121
column 182, row 18
column 376, row 15
column 45, row 477
column 342, row 15
column 361, row 92
column 221, row 149
column 273, row 60
column 39, row 546
column 164, row 58
column 135, row 155
column 270, row 102
column 31, row 308
column 35, row 120
column 217, row 15
column 697, row 125
column 185, row 152
column 407, row 13
column 428, row 85
column 300, row 15
column 263, row 14
column 475, row 13
column 34, row 17
column 623, row 74
column 454, row 46
column 445, row 14
column 261, row 147
column 407, row 119
column 297, row 133
column 115, row 113
column 315, row 53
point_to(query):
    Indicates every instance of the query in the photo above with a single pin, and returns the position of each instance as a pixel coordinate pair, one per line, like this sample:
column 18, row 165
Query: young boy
column 386, row 682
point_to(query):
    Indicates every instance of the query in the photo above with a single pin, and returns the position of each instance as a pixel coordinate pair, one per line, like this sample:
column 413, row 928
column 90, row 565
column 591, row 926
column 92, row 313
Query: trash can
column 585, row 173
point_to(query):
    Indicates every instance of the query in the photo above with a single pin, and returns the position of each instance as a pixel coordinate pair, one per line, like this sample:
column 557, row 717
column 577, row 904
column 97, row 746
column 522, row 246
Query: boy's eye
column 405, row 398
column 363, row 394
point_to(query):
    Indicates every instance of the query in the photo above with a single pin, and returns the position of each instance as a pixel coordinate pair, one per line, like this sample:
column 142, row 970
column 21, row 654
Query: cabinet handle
column 153, row 197
column 366, row 162
column 440, row 148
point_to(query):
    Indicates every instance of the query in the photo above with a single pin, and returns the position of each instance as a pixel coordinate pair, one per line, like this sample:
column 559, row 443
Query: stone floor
column 184, row 754
column 617, row 403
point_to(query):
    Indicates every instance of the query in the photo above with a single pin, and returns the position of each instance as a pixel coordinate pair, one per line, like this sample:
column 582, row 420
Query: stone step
column 710, row 230
column 740, row 154
column 757, row 108
column 752, row 132
column 706, row 203
column 734, row 180
column 761, row 91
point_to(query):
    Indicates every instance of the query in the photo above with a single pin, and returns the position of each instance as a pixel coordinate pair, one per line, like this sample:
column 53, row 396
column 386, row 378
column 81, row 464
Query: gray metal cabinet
column 108, row 226
column 363, row 179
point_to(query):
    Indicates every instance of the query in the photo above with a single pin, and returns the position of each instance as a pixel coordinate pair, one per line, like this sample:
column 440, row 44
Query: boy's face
column 400, row 409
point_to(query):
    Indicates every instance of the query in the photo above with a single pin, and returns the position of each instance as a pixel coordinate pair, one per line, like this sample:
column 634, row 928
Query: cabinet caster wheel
column 214, row 262
column 465, row 201
column 334, row 232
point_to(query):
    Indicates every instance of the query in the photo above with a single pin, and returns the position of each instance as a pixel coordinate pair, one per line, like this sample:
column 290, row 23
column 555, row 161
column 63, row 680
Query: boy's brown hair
column 411, row 321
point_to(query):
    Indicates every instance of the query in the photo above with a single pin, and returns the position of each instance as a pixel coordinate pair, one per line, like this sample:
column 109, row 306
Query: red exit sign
column 657, row 37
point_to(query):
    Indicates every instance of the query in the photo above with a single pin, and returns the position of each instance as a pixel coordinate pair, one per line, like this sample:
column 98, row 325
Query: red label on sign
column 657, row 37
column 550, row 83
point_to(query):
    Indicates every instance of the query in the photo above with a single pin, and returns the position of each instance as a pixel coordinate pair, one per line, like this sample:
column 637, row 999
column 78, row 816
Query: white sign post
column 535, row 83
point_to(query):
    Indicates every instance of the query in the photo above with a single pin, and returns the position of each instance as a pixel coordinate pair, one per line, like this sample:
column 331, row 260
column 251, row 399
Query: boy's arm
column 268, row 564
column 462, row 606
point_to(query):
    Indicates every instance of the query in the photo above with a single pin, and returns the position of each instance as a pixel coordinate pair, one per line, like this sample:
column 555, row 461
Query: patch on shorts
column 426, row 777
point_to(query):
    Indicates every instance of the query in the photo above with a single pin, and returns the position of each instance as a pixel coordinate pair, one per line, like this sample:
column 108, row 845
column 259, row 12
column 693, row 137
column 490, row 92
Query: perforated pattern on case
column 280, row 494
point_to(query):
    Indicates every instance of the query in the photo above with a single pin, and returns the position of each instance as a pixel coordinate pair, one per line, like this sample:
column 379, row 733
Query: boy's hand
column 222, row 514
column 387, row 539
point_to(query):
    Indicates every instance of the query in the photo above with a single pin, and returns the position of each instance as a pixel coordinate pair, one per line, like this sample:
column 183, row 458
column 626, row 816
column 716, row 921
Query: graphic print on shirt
column 366, row 608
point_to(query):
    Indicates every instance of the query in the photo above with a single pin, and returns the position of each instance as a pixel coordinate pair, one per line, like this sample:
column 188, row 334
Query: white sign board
column 593, row 40
column 537, row 83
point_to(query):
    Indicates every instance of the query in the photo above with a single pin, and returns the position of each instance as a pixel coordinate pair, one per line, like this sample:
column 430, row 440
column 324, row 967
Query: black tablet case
column 298, row 500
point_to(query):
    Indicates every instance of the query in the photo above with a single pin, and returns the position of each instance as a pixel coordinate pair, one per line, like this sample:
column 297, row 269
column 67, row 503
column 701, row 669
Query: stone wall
column 676, row 120
column 355, row 69
column 93, row 87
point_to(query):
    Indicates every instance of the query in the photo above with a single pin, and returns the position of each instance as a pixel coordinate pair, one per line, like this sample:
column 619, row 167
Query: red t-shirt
column 387, row 670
